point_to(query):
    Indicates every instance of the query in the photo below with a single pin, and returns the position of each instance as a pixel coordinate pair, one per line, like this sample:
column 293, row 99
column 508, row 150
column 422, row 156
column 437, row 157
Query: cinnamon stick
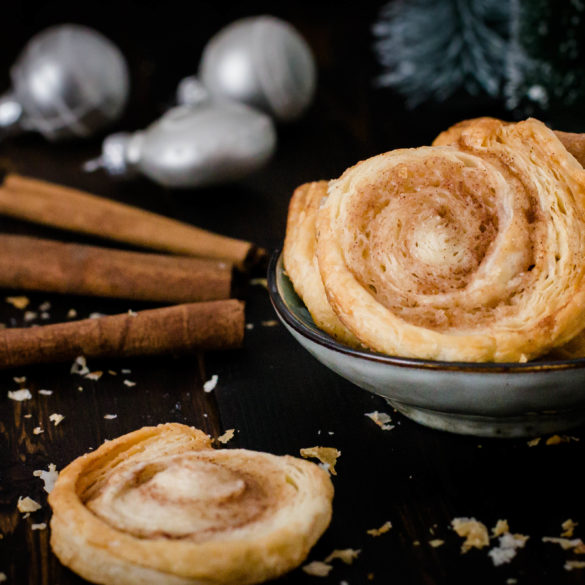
column 70, row 209
column 177, row 329
column 52, row 266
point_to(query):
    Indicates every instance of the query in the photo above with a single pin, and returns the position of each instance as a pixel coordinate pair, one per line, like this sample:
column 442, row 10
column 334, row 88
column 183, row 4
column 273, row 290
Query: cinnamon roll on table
column 161, row 506
column 468, row 250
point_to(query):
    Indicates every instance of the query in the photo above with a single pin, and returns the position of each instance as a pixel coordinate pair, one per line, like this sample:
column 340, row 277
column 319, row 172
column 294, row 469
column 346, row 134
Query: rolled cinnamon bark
column 178, row 329
column 52, row 266
column 70, row 209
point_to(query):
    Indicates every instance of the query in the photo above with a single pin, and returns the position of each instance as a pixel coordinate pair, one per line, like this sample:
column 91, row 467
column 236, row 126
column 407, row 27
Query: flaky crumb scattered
column 534, row 442
column 79, row 366
column 227, row 436
column 19, row 395
column 564, row 543
column 507, row 548
column 475, row 533
column 27, row 505
column 558, row 439
column 71, row 314
column 571, row 565
column 30, row 316
column 94, row 375
column 110, row 416
column 49, row 477
column 317, row 569
column 347, row 555
column 39, row 526
column 382, row 419
column 327, row 455
column 259, row 282
column 38, row 431
column 56, row 418
column 210, row 384
column 382, row 530
column 45, row 392
column 19, row 379
column 20, row 302
column 436, row 542
column 568, row 527
column 129, row 383
column 500, row 528
column 269, row 323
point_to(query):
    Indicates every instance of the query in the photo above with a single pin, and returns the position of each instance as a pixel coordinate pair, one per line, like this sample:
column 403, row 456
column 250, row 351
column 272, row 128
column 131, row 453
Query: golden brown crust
column 160, row 506
column 469, row 250
column 300, row 261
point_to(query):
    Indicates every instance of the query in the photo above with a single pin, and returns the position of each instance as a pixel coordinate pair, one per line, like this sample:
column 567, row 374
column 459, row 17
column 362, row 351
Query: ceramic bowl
column 482, row 399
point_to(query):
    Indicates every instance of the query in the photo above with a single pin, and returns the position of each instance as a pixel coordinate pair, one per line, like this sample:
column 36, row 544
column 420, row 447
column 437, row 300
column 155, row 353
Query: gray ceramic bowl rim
column 283, row 310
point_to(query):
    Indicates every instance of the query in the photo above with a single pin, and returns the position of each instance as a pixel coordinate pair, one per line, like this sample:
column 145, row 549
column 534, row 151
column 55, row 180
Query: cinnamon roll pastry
column 300, row 261
column 468, row 250
column 161, row 506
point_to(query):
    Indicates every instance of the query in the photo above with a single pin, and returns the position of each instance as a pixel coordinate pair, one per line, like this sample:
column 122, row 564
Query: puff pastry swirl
column 300, row 260
column 161, row 506
column 468, row 250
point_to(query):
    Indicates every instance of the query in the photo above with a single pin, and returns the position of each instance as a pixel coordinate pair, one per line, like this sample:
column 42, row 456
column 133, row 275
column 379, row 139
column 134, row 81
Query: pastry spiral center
column 183, row 496
column 424, row 238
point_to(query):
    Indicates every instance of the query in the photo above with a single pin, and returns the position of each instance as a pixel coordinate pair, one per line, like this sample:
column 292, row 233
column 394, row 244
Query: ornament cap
column 10, row 114
column 120, row 155
column 191, row 91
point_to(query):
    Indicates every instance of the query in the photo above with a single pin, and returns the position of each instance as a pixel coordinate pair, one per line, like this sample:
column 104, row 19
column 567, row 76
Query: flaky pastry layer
column 468, row 250
column 300, row 261
column 161, row 506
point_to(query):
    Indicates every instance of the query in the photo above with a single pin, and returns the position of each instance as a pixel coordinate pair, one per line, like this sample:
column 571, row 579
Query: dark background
column 272, row 392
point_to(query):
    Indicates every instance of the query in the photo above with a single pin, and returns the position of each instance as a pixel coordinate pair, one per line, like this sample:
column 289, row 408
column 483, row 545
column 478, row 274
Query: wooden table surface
column 276, row 396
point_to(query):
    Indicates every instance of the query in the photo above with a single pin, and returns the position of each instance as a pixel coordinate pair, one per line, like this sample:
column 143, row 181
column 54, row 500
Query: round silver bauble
column 193, row 146
column 69, row 81
column 261, row 61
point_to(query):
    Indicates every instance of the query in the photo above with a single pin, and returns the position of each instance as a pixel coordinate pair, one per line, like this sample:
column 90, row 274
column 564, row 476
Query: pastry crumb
column 500, row 528
column 347, row 555
column 568, row 527
column 436, row 542
column 45, row 392
column 564, row 543
column 19, row 395
column 79, row 366
column 382, row 419
column 475, row 533
column 56, row 418
column 40, row 526
column 129, row 383
column 49, row 477
column 227, row 436
column 38, row 431
column 382, row 530
column 94, row 375
column 19, row 379
column 110, row 416
column 20, row 302
column 317, row 569
column 571, row 565
column 558, row 439
column 210, row 384
column 27, row 505
column 507, row 548
column 327, row 455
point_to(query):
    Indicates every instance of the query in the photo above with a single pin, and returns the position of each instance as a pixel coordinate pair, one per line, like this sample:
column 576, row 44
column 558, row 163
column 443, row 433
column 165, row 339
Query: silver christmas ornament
column 69, row 81
column 261, row 61
column 193, row 146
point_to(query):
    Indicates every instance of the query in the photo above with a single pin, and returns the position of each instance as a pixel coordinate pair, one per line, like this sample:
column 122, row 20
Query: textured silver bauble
column 69, row 81
column 261, row 61
column 193, row 146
